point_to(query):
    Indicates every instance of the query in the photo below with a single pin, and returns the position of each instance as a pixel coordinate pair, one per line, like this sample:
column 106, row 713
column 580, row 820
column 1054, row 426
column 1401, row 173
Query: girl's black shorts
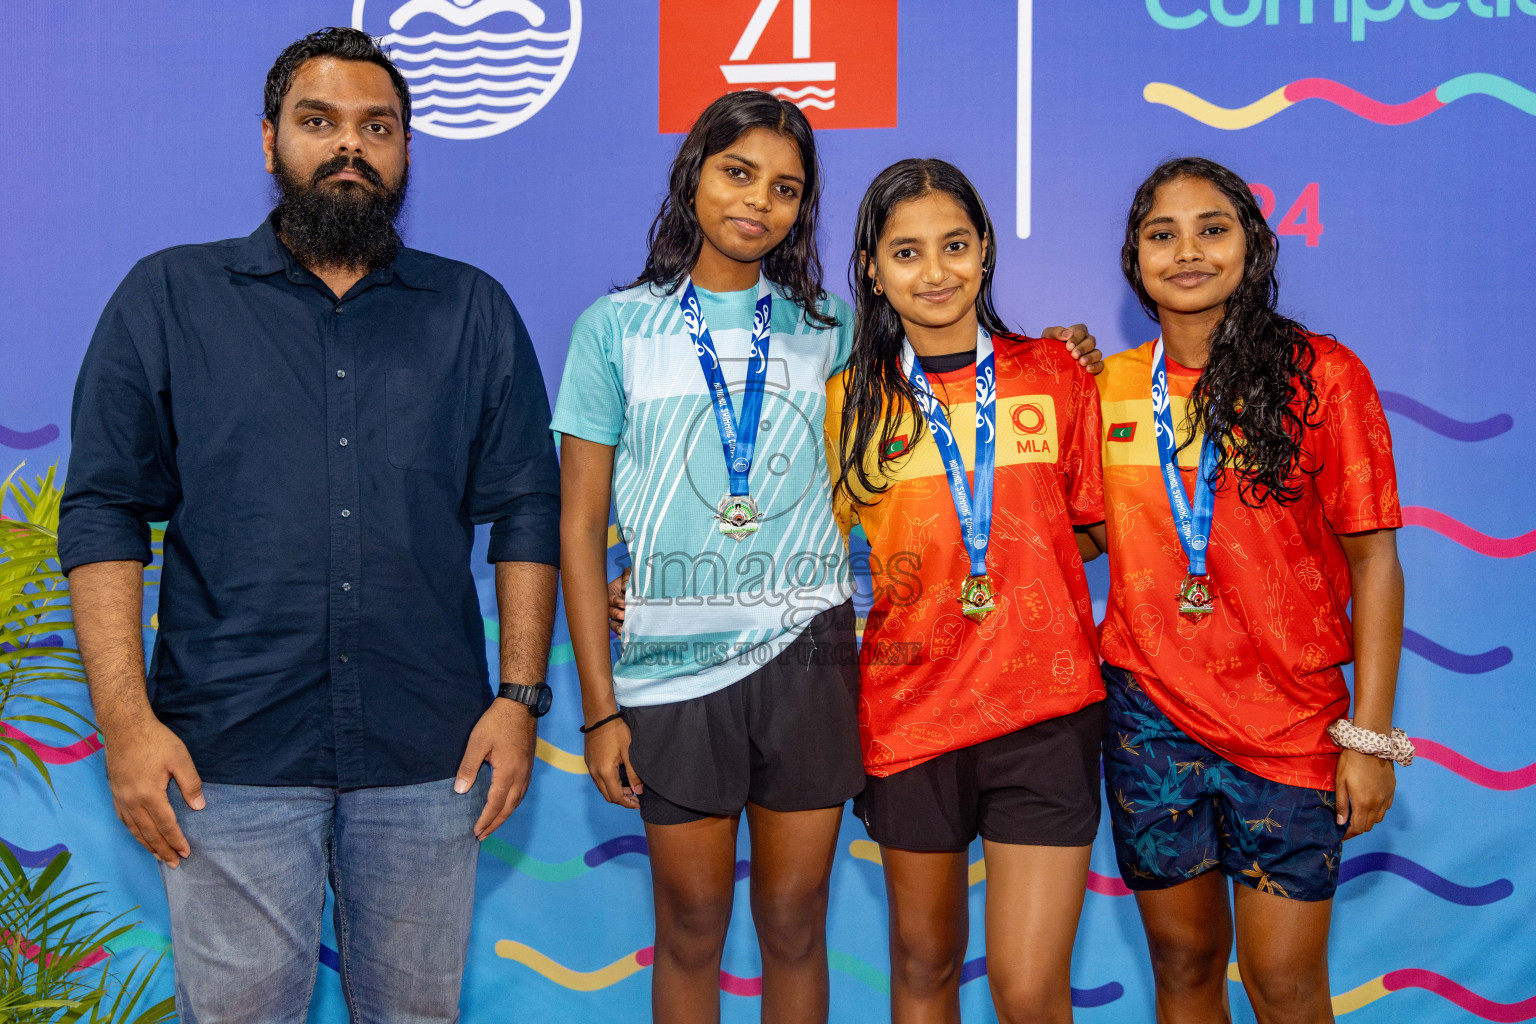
column 1038, row 786
column 785, row 737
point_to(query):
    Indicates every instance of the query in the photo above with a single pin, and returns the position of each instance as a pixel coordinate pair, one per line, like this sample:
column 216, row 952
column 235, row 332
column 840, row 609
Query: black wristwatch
column 535, row 696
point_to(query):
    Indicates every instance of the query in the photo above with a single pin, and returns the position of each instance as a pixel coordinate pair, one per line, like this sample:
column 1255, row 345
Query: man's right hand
column 141, row 762
column 607, row 748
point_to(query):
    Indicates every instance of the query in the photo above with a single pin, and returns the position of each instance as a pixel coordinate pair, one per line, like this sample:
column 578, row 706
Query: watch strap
column 523, row 693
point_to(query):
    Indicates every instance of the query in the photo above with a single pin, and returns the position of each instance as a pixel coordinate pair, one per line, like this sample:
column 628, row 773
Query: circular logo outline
column 502, row 123
column 1038, row 427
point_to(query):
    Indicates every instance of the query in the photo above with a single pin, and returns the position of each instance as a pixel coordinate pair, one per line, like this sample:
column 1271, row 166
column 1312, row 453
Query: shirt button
column 340, row 374
column 346, row 586
column 343, row 442
column 345, row 513
column 343, row 659
column 341, row 309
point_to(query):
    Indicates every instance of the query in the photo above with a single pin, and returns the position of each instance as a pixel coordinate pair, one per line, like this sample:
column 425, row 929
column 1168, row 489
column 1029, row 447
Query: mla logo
column 834, row 59
column 475, row 67
column 1028, row 418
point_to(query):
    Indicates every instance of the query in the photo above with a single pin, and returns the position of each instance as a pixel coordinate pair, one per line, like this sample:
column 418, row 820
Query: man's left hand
column 1081, row 344
column 504, row 737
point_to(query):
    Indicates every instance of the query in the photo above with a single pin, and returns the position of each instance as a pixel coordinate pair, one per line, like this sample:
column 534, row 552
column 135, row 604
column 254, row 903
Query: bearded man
column 322, row 416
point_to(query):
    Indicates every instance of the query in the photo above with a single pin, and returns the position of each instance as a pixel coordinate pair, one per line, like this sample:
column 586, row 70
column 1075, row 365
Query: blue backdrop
column 1395, row 139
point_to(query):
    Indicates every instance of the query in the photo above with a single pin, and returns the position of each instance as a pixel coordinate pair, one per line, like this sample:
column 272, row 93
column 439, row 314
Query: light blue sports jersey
column 703, row 610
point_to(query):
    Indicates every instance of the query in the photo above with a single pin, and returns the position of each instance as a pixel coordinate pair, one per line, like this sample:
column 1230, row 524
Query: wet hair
column 341, row 43
column 878, row 393
column 1256, row 393
column 675, row 237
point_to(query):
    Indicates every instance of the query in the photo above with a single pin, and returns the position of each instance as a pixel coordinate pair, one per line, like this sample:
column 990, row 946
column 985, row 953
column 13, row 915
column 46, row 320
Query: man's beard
column 338, row 224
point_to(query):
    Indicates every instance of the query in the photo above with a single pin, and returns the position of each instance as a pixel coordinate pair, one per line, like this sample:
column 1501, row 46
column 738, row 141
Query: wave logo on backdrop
column 475, row 67
column 834, row 59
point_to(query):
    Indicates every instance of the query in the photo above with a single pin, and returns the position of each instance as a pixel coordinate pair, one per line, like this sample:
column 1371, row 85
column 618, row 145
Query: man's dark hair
column 341, row 43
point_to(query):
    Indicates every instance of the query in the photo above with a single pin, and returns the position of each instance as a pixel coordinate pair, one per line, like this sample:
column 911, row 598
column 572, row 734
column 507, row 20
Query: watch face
column 545, row 698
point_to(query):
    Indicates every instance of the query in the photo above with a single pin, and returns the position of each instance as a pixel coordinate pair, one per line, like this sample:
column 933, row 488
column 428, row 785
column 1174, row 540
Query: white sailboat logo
column 476, row 67
column 801, row 71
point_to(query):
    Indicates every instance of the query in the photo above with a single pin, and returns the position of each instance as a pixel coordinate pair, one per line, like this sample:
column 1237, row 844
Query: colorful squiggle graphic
column 575, row 867
column 1081, row 997
column 139, row 938
column 1440, row 423
column 1418, row 874
column 1234, row 119
column 731, row 984
column 31, row 950
column 1439, row 984
column 27, row 439
column 564, row 760
column 1488, row 778
column 39, row 644
column 69, row 754
column 33, row 858
column 1466, row 664
column 1472, row 540
column 566, row 977
column 1445, row 988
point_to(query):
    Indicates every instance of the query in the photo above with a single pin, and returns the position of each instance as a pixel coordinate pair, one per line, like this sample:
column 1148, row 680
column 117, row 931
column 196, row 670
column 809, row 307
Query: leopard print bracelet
column 1395, row 747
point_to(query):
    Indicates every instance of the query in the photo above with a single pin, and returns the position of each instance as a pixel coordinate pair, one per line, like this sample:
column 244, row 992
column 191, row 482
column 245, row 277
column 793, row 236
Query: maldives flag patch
column 1122, row 431
column 896, row 447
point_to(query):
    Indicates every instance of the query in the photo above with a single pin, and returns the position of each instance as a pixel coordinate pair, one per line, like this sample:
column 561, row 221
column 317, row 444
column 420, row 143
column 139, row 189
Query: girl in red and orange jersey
column 1250, row 494
column 968, row 455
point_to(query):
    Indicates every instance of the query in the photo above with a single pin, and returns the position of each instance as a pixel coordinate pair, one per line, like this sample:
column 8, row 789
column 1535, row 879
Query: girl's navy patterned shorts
column 1179, row 810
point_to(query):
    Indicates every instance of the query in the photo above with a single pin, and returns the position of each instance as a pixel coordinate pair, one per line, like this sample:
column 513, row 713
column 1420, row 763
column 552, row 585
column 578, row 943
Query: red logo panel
column 835, row 59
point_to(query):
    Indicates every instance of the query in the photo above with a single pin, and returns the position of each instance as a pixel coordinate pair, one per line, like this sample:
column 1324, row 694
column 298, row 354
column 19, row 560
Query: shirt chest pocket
column 423, row 414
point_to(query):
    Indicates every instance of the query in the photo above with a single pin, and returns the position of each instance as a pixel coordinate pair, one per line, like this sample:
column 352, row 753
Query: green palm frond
column 49, row 937
column 38, row 502
column 34, row 610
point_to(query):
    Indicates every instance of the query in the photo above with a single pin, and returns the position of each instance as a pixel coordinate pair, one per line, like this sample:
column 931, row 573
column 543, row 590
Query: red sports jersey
column 1258, row 680
column 932, row 680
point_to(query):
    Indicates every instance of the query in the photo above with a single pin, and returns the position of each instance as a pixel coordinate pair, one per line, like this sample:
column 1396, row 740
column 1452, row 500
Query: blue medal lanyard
column 972, row 505
column 738, row 437
column 1193, row 523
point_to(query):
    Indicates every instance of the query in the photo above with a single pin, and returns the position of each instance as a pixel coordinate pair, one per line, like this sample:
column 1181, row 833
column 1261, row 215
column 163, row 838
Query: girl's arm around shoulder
column 1081, row 345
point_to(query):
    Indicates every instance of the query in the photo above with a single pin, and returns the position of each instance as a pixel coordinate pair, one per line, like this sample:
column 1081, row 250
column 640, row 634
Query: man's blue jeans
column 246, row 906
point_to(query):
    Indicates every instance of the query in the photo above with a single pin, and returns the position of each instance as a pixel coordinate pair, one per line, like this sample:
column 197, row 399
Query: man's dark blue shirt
column 322, row 464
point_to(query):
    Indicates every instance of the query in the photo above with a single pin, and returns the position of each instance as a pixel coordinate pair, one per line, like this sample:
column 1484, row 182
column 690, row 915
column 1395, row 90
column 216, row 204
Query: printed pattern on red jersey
column 1259, row 680
column 930, row 679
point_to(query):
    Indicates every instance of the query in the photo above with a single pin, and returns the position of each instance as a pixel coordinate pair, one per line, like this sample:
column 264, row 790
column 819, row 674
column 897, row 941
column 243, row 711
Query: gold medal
column 976, row 599
column 1196, row 597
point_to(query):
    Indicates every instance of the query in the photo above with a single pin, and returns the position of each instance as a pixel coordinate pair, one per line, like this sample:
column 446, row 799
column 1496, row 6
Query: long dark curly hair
column 878, row 394
column 1256, row 393
column 675, row 236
